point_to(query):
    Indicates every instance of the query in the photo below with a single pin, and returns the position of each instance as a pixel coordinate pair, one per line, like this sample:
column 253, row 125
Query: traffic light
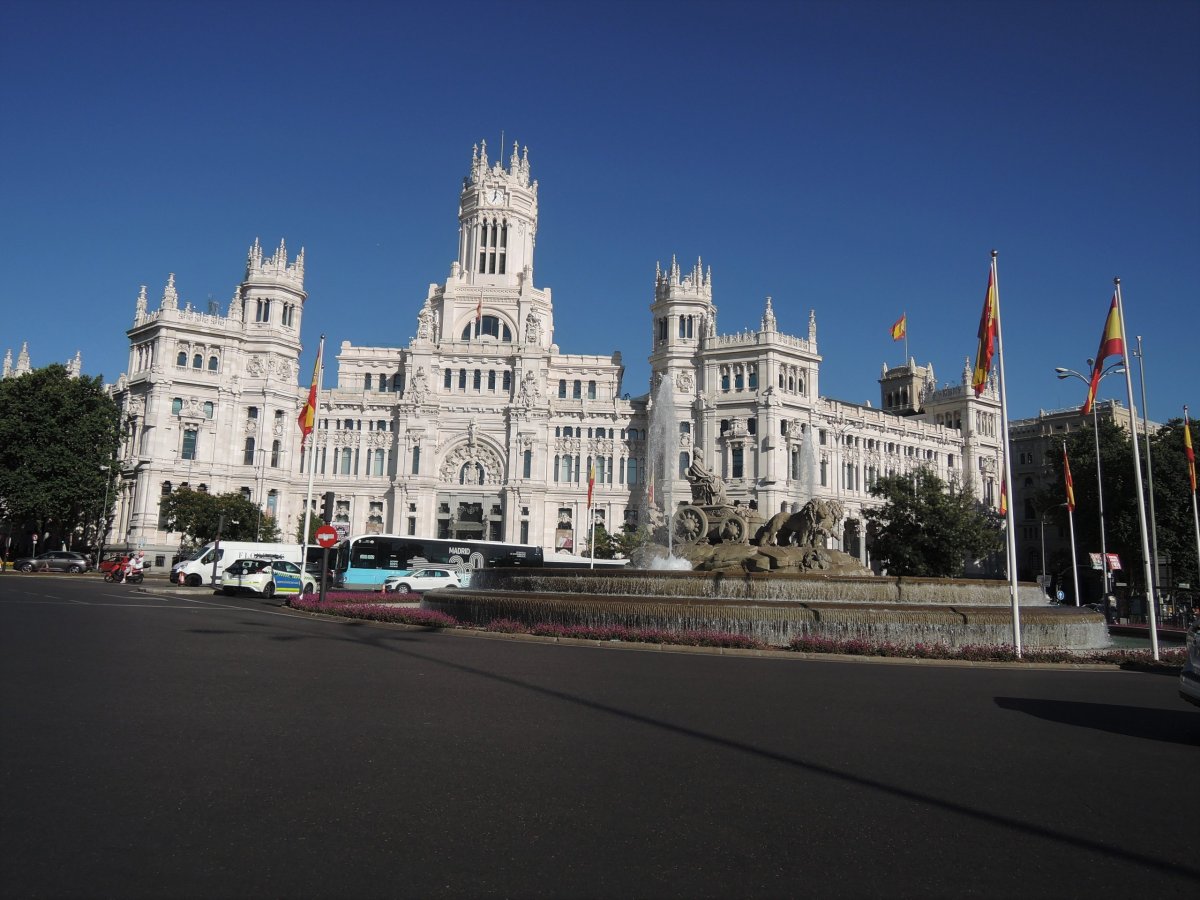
column 327, row 508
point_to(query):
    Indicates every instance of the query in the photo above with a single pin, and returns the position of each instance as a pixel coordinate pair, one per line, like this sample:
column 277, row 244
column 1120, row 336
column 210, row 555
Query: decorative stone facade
column 481, row 427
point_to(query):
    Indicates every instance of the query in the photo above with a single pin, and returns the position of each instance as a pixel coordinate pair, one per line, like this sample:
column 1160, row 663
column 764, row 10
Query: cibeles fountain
column 716, row 565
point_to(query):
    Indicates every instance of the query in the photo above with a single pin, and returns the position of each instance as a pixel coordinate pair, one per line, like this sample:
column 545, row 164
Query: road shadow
column 1180, row 726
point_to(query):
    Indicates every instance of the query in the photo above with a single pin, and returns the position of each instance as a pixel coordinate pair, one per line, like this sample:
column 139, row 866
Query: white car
column 267, row 577
column 420, row 580
column 1189, row 678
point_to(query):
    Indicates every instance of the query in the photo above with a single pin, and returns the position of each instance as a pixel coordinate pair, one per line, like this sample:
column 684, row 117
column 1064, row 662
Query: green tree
column 197, row 515
column 57, row 432
column 926, row 527
column 1122, row 529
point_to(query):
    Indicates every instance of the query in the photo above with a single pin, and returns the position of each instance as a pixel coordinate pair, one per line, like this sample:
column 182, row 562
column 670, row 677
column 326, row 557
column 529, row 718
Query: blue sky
column 861, row 159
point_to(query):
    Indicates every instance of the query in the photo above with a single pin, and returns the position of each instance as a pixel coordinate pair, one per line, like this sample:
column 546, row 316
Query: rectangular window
column 737, row 462
column 416, row 461
column 591, row 390
column 377, row 463
column 191, row 437
column 562, row 388
column 527, row 465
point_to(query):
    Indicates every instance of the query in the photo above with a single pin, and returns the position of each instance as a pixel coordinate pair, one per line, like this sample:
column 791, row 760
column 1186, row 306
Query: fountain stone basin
column 773, row 609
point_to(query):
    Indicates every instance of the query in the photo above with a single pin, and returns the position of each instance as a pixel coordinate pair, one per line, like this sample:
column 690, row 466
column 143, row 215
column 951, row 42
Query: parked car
column 1189, row 678
column 267, row 577
column 420, row 580
column 54, row 561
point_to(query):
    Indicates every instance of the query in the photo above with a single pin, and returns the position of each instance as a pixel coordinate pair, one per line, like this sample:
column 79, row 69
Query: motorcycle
column 116, row 576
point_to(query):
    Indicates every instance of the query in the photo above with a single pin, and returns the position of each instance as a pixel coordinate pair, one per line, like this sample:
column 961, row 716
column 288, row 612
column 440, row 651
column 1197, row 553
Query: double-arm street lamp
column 1117, row 367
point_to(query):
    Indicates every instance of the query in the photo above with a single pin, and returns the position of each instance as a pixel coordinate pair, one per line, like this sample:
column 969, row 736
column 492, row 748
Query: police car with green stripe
column 266, row 577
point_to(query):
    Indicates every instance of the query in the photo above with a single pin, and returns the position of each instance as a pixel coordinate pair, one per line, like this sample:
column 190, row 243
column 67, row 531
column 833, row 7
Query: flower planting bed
column 371, row 608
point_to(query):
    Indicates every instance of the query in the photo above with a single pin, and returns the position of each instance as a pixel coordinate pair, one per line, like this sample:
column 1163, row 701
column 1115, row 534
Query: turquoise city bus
column 362, row 563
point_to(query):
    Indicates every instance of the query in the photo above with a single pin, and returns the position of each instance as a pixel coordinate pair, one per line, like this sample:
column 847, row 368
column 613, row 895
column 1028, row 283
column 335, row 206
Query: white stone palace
column 481, row 427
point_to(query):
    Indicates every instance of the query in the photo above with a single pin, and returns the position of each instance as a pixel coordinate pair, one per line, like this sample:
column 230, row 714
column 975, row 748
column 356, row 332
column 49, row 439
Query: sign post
column 326, row 536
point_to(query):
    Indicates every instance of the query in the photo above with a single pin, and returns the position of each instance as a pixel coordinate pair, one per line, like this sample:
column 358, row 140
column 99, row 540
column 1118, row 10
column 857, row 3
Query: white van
column 198, row 569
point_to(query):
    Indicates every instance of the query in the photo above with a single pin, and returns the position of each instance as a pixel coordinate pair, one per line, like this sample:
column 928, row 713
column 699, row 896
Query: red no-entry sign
column 326, row 536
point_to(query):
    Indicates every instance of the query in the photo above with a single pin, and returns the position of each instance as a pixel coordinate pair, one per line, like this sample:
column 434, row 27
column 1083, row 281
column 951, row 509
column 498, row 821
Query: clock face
column 496, row 197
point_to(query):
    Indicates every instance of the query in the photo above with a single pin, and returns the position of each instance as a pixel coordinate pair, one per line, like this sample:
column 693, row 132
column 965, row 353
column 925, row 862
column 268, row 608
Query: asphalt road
column 163, row 746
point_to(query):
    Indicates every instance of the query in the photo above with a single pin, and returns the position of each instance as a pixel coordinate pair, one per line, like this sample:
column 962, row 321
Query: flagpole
column 1010, row 519
column 312, row 457
column 1152, row 613
column 1071, row 522
column 905, row 320
column 1149, row 469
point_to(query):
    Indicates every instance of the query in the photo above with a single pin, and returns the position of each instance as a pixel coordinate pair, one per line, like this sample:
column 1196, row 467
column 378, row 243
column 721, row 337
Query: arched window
column 198, row 361
column 591, row 390
column 462, row 379
column 491, row 379
column 181, row 359
column 487, row 326
column 477, row 380
column 213, row 363
column 449, row 377
column 577, row 389
column 176, row 406
column 367, row 381
column 562, row 388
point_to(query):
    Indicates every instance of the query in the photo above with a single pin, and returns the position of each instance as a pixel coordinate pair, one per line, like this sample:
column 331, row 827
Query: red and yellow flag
column 479, row 311
column 1112, row 343
column 308, row 415
column 1004, row 496
column 988, row 324
column 591, row 480
column 900, row 329
column 1070, row 484
column 1187, row 449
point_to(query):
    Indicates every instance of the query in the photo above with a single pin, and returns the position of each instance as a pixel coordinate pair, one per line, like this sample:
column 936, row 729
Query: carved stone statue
column 420, row 386
column 816, row 521
column 707, row 488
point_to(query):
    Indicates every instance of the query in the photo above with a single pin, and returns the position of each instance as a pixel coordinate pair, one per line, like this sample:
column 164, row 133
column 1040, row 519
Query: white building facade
column 482, row 428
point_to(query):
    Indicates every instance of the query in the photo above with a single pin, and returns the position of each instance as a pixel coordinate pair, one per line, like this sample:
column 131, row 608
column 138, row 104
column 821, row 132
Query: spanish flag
column 1070, row 484
column 591, row 480
column 1187, row 449
column 900, row 329
column 308, row 415
column 988, row 323
column 1003, row 496
column 1112, row 343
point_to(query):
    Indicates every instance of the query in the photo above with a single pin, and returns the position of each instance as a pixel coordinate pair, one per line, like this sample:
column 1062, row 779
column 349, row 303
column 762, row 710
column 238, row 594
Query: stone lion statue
column 815, row 521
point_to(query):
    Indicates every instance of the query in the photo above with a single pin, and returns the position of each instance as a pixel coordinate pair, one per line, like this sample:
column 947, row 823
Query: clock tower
column 497, row 217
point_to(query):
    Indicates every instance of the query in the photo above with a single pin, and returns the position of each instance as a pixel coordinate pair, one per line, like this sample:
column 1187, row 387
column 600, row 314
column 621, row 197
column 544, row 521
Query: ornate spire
column 967, row 373
column 75, row 366
column 768, row 318
column 139, row 308
column 812, row 326
column 23, row 367
column 170, row 297
column 7, row 363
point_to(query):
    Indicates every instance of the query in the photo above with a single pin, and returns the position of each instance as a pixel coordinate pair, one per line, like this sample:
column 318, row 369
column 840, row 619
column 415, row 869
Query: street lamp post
column 1071, row 373
column 103, row 523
